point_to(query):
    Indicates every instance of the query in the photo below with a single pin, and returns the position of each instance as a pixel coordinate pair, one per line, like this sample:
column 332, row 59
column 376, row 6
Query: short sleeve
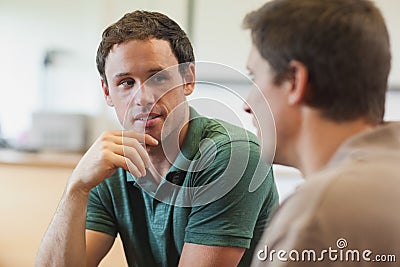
column 99, row 217
column 232, row 219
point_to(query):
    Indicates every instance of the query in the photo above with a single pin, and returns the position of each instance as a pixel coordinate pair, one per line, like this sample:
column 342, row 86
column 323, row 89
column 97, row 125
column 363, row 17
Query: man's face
column 145, row 86
column 266, row 99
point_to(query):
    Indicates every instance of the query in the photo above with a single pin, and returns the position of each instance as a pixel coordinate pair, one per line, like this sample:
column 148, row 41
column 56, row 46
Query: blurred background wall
column 48, row 51
column 47, row 63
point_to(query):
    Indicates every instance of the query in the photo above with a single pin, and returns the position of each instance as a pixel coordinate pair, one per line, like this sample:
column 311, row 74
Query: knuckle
column 105, row 155
column 105, row 145
column 136, row 142
column 104, row 136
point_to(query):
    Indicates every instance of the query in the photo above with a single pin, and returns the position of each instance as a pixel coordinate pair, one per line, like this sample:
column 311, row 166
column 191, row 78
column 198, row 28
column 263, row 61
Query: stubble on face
column 148, row 90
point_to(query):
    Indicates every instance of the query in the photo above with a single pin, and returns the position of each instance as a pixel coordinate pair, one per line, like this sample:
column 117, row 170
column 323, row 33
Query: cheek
column 261, row 104
column 266, row 107
column 172, row 100
column 121, row 113
column 121, row 106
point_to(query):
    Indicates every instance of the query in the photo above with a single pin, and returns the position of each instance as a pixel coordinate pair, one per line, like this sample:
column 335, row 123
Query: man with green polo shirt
column 174, row 185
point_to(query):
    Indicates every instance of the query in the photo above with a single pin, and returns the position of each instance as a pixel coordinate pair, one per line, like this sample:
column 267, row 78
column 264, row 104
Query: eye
column 159, row 81
column 158, row 78
column 127, row 83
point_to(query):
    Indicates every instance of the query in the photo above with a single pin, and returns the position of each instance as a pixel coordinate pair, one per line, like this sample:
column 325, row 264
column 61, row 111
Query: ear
column 106, row 93
column 189, row 80
column 298, row 82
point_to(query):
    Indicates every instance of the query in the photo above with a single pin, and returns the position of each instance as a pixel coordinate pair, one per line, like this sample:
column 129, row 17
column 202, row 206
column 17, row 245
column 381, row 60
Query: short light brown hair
column 143, row 25
column 344, row 45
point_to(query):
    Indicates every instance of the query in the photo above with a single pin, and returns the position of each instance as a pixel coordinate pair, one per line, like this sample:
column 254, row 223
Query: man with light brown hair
column 322, row 66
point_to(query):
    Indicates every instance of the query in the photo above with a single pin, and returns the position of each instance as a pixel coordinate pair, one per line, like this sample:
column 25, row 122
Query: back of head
column 344, row 45
column 144, row 25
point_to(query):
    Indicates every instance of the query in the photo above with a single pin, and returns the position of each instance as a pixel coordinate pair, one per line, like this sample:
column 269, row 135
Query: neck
column 320, row 138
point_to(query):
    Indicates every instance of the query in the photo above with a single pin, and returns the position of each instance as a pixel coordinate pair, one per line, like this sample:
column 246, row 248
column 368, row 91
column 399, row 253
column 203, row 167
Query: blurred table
column 50, row 159
column 31, row 185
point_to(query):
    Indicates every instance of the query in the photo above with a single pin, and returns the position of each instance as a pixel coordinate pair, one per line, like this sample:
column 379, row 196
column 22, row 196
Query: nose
column 144, row 96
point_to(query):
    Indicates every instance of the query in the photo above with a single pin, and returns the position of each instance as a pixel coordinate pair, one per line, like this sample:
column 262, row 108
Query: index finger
column 141, row 137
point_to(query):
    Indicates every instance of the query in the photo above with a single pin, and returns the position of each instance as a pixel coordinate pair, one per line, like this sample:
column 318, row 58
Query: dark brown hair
column 344, row 45
column 143, row 25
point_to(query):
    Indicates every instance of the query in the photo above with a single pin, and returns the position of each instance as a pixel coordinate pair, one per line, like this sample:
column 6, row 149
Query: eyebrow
column 122, row 74
column 155, row 70
column 149, row 71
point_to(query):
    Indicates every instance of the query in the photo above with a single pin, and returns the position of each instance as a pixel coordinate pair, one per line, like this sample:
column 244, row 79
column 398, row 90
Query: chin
column 154, row 132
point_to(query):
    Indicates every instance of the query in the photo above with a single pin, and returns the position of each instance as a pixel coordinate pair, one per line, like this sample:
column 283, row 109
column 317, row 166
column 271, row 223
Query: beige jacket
column 347, row 214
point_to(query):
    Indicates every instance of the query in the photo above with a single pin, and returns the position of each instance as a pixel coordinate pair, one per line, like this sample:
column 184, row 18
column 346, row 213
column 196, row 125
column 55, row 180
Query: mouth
column 149, row 119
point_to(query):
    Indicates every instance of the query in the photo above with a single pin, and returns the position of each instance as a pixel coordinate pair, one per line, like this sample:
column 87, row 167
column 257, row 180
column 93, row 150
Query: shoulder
column 309, row 199
column 294, row 221
column 221, row 139
column 222, row 143
column 223, row 132
column 335, row 202
column 228, row 157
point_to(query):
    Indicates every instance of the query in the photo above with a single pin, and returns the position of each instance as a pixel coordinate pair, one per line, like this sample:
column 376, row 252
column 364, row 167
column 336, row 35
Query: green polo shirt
column 203, row 199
